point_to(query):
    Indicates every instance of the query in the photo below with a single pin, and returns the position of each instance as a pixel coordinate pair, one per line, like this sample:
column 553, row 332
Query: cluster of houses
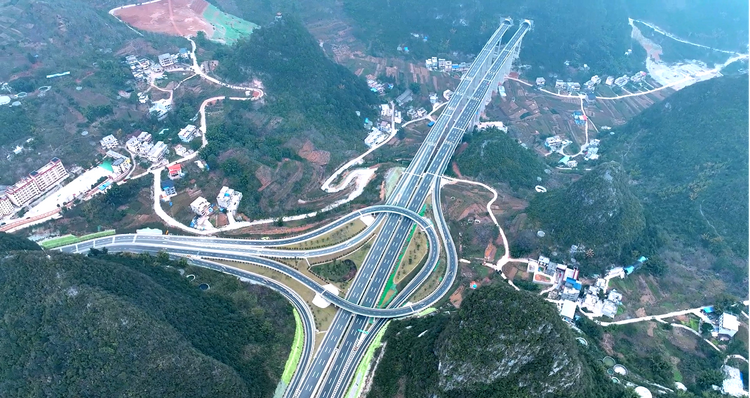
column 228, row 201
column 145, row 71
column 569, row 292
column 378, row 87
column 144, row 68
column 142, row 145
column 555, row 143
column 591, row 150
column 590, row 85
column 444, row 65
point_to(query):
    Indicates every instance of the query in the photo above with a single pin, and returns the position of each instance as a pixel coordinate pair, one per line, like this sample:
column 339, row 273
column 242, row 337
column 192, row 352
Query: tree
column 709, row 378
column 706, row 328
column 401, row 134
column 415, row 88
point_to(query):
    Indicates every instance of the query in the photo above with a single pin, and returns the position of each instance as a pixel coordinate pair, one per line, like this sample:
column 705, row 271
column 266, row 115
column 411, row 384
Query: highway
column 370, row 279
column 335, row 386
column 340, row 352
column 117, row 244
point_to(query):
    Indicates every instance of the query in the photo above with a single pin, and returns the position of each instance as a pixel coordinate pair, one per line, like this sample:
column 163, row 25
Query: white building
column 622, row 80
column 540, row 81
column 144, row 137
column 201, row 206
column 728, row 325
column 166, row 60
column 157, row 152
column 732, row 384
column 187, row 133
column 49, row 174
column 6, row 207
column 109, row 142
column 160, row 108
column 568, row 310
column 22, row 192
column 121, row 165
column 609, row 80
column 228, row 199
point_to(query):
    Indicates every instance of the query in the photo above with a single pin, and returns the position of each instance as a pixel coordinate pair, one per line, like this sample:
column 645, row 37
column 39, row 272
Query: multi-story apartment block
column 49, row 174
column 23, row 191
column 6, row 207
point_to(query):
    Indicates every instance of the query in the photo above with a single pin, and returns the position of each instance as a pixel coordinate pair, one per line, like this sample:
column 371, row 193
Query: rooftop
column 729, row 322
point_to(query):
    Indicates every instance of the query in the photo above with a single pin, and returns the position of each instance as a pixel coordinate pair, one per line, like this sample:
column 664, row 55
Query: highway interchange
column 328, row 373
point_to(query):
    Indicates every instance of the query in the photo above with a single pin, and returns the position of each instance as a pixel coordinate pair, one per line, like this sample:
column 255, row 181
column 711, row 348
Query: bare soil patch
column 171, row 17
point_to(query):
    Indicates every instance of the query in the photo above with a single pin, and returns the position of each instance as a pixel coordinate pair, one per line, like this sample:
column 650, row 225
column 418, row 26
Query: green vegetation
column 296, row 353
column 16, row 122
column 593, row 32
column 113, row 206
column 493, row 156
column 688, row 159
column 304, row 86
column 724, row 27
column 599, row 211
column 229, row 28
column 71, row 239
column 660, row 354
column 336, row 271
column 10, row 242
column 499, row 340
column 129, row 326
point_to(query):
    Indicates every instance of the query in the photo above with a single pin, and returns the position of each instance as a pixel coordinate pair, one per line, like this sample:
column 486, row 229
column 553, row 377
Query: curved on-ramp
column 234, row 255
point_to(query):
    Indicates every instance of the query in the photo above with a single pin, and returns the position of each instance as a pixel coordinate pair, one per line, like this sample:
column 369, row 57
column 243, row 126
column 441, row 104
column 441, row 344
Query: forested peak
column 512, row 338
column 10, row 242
column 598, row 210
column 501, row 343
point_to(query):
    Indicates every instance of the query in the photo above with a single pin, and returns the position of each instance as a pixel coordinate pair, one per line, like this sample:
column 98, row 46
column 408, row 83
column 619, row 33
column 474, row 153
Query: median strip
column 355, row 389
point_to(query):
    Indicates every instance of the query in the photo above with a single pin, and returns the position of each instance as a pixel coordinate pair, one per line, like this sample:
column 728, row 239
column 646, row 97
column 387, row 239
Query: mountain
column 10, row 242
column 724, row 27
column 500, row 343
column 599, row 211
column 688, row 158
column 492, row 156
column 109, row 326
column 592, row 32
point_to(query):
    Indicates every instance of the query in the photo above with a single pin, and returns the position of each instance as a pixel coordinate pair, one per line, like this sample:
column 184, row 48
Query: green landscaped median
column 296, row 353
column 390, row 285
column 72, row 239
column 358, row 381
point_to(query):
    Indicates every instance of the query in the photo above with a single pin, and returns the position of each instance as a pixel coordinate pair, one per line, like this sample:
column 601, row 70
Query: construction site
column 185, row 18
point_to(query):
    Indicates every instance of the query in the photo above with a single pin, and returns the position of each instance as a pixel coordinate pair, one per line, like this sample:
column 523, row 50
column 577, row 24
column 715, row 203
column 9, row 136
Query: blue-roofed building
column 167, row 186
column 565, row 159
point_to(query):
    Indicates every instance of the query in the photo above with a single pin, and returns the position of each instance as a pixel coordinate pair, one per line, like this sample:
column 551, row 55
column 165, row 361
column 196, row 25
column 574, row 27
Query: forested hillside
column 598, row 211
column 688, row 158
column 494, row 157
column 501, row 343
column 108, row 326
column 592, row 32
column 305, row 87
column 724, row 25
